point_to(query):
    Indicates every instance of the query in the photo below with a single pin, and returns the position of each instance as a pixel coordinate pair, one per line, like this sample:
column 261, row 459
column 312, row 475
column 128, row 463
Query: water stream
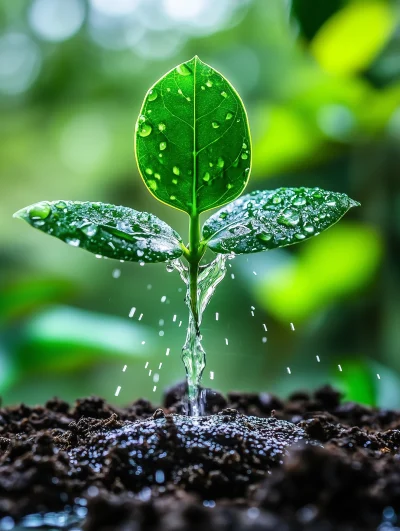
column 193, row 353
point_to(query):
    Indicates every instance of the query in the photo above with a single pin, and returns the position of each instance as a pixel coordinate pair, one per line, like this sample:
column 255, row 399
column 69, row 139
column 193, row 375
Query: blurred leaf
column 285, row 138
column 265, row 220
column 311, row 14
column 64, row 338
column 193, row 139
column 113, row 231
column 357, row 381
column 351, row 39
column 337, row 264
column 21, row 297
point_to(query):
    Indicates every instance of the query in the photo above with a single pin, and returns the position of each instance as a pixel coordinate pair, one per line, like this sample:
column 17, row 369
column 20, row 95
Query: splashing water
column 193, row 354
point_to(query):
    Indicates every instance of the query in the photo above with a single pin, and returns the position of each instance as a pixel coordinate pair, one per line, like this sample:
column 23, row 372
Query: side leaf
column 108, row 230
column 192, row 139
column 269, row 219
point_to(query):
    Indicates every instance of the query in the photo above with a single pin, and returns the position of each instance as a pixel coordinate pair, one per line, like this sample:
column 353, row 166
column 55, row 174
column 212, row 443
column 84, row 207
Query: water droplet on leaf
column 220, row 162
column 152, row 184
column 209, row 83
column 228, row 116
column 176, row 170
column 206, row 177
column 40, row 211
column 152, row 95
column 224, row 94
column 215, row 125
column 161, row 127
column 144, row 129
column 183, row 70
column 163, row 145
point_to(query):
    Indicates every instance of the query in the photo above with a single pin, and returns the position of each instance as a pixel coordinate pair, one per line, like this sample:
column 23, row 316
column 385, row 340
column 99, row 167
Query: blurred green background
column 321, row 83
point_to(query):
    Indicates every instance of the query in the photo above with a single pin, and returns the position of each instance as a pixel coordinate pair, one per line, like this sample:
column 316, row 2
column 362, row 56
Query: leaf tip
column 20, row 214
column 354, row 203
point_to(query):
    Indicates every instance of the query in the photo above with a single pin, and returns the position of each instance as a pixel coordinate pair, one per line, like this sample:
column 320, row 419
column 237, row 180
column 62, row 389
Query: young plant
column 193, row 150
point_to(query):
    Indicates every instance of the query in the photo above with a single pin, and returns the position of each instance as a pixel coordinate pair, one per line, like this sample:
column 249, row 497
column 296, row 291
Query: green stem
column 195, row 255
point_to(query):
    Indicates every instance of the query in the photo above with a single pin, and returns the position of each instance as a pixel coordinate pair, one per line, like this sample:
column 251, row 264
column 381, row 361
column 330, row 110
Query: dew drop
column 203, row 87
column 152, row 184
column 149, row 171
column 289, row 218
column 157, row 176
column 90, row 229
column 224, row 94
column 209, row 83
column 229, row 186
column 220, row 162
column 244, row 145
column 180, row 91
column 309, row 228
column 152, row 95
column 183, row 70
column 206, row 177
column 163, row 145
column 172, row 197
column 299, row 236
column 40, row 211
column 75, row 242
column 144, row 129
column 215, row 125
column 61, row 205
column 299, row 201
column 161, row 126
column 174, row 181
column 264, row 236
column 176, row 170
column 228, row 116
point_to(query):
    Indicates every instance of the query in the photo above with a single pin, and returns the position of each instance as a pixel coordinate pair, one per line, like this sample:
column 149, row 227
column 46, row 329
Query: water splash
column 193, row 354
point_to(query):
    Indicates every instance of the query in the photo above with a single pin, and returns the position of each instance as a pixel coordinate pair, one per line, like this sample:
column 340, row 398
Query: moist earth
column 255, row 462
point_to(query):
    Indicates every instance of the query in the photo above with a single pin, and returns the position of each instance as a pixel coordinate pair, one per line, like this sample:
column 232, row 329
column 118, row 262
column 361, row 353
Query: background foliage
column 321, row 83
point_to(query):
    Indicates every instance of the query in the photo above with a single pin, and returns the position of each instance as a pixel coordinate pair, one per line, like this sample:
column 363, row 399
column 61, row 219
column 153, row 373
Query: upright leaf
column 192, row 139
column 265, row 220
column 108, row 230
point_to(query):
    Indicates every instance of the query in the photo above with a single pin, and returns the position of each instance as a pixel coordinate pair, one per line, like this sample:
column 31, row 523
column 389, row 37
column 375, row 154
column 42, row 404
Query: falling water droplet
column 183, row 70
column 152, row 95
column 116, row 273
column 132, row 312
column 117, row 390
column 340, row 368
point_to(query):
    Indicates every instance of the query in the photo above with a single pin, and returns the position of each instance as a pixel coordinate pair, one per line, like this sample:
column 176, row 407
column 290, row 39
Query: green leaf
column 269, row 219
column 108, row 230
column 192, row 139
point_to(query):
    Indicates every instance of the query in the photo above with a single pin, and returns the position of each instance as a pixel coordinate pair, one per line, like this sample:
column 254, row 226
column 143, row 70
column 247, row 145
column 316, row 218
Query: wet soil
column 256, row 462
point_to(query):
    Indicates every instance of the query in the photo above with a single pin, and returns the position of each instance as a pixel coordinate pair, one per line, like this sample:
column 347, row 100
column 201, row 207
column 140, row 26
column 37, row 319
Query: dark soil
column 308, row 462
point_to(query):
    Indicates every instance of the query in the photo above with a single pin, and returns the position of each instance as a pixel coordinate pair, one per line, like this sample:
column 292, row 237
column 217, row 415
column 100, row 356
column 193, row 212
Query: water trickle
column 183, row 70
column 193, row 354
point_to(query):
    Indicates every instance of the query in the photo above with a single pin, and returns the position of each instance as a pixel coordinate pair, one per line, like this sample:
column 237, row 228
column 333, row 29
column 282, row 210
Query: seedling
column 193, row 150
